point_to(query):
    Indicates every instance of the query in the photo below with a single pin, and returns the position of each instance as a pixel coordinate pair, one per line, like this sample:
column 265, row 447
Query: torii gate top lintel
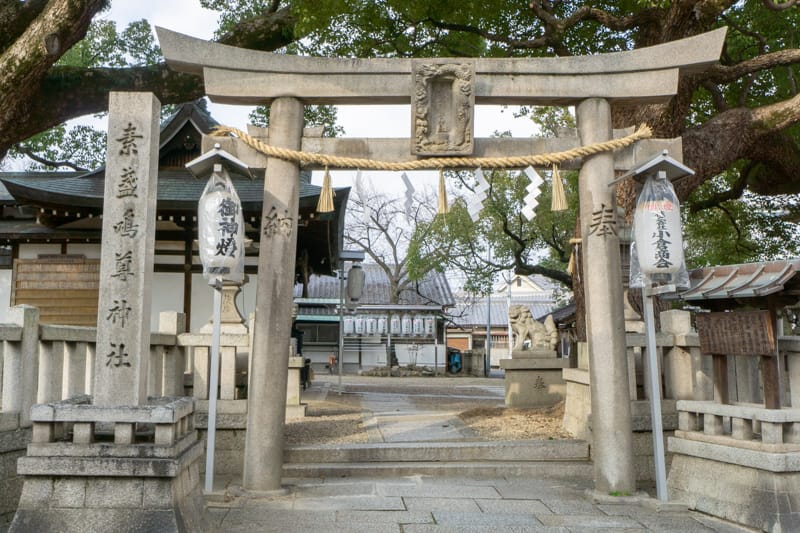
column 241, row 76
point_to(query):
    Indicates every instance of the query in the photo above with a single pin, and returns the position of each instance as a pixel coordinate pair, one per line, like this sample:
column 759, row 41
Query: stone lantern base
column 93, row 468
column 533, row 378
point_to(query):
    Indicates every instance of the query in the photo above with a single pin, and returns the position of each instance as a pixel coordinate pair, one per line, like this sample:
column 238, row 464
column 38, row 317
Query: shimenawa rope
column 433, row 163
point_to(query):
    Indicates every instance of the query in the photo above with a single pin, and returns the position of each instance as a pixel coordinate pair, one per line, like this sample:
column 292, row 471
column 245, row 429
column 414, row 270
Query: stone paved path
column 423, row 504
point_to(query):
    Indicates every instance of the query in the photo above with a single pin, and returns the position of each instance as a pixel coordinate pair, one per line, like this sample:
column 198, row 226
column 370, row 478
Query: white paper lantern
column 359, row 325
column 657, row 229
column 221, row 231
column 406, row 325
column 395, row 326
column 348, row 326
column 430, row 325
column 381, row 325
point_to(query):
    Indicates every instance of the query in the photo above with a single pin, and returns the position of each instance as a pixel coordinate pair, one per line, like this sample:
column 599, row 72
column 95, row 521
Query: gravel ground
column 333, row 418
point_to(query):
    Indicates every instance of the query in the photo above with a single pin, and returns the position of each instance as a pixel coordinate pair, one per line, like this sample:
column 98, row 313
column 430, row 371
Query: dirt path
column 334, row 418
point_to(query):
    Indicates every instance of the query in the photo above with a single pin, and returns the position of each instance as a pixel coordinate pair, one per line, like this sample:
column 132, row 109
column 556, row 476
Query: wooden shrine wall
column 63, row 287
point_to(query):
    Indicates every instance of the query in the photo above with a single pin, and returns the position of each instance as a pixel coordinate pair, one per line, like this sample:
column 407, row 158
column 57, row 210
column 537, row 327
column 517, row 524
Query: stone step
column 562, row 459
column 576, row 469
column 461, row 451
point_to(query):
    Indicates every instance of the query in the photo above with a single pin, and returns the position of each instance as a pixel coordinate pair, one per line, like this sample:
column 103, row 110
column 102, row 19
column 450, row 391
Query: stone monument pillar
column 605, row 320
column 118, row 461
column 126, row 257
column 266, row 410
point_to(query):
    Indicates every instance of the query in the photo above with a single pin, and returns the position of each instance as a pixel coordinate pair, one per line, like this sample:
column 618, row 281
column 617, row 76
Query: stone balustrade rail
column 44, row 363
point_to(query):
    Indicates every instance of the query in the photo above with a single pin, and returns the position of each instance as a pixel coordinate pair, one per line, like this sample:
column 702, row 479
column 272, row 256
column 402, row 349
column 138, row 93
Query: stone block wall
column 12, row 446
column 111, row 503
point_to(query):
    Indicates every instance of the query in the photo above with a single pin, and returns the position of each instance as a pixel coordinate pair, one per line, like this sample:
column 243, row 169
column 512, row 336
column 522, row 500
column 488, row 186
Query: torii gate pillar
column 605, row 322
column 266, row 413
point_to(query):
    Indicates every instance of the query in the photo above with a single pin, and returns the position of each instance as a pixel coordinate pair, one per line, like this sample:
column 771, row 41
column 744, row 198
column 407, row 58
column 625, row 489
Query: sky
column 186, row 16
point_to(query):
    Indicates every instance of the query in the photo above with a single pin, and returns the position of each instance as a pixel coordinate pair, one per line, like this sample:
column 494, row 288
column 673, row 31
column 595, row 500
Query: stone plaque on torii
column 442, row 94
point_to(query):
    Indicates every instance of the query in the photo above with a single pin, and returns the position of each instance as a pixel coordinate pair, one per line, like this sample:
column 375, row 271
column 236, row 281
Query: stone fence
column 688, row 390
column 45, row 364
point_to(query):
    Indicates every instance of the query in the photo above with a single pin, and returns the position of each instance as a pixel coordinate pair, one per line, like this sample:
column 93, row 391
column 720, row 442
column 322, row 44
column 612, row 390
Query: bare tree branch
column 728, row 73
column 26, row 151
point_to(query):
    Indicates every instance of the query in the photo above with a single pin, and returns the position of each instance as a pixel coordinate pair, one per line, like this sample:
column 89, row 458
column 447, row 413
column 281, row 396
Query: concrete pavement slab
column 447, row 528
column 485, row 519
column 465, row 505
column 513, row 506
column 438, row 490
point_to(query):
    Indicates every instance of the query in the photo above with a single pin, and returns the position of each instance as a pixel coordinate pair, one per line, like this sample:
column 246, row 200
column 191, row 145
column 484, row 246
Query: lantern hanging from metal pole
column 657, row 257
column 220, row 235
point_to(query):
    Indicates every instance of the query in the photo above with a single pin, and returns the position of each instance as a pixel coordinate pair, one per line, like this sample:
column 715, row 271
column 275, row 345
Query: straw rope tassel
column 571, row 264
column 443, row 207
column 559, row 201
column 325, row 203
column 572, row 257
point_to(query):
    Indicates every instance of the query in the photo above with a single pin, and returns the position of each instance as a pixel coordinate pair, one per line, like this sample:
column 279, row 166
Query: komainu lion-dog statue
column 525, row 328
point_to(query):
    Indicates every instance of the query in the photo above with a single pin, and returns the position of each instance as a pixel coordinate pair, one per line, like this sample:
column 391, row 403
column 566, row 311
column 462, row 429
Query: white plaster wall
column 91, row 251
column 32, row 251
column 167, row 295
column 426, row 355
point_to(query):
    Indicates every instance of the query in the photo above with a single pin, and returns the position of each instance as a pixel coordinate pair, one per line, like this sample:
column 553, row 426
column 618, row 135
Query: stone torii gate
column 442, row 94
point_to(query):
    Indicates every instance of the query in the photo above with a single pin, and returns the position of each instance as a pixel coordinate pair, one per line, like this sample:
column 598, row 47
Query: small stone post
column 605, row 320
column 173, row 323
column 266, row 410
column 679, row 371
column 21, row 364
column 126, row 264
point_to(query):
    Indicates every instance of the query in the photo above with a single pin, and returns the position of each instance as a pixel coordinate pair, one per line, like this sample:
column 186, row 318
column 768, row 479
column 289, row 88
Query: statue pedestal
column 533, row 378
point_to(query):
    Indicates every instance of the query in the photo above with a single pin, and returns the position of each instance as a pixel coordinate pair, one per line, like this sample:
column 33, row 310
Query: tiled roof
column 748, row 280
column 433, row 289
column 474, row 314
column 177, row 190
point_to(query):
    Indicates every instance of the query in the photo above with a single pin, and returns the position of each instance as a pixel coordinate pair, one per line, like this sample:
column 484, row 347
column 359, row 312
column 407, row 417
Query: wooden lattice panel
column 63, row 287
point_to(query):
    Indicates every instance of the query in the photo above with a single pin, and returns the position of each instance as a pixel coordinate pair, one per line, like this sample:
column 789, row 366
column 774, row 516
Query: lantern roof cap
column 673, row 169
column 203, row 165
column 351, row 255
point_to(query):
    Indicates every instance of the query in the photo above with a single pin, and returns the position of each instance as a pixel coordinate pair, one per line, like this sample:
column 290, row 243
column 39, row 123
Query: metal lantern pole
column 654, row 378
column 436, row 350
column 341, row 323
column 510, row 332
column 213, row 386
